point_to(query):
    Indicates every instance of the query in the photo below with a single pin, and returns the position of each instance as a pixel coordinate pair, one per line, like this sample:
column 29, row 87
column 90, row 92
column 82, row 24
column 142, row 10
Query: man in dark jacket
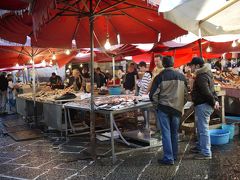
column 3, row 91
column 205, row 100
column 169, row 94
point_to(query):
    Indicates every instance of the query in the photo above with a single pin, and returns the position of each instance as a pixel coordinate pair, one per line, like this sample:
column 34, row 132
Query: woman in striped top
column 144, row 83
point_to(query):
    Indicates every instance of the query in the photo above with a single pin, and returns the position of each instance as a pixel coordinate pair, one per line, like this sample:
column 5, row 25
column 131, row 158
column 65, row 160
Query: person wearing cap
column 169, row 94
column 205, row 101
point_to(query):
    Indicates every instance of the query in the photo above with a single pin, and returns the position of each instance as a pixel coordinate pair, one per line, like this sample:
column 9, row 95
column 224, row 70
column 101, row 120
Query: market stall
column 48, row 105
column 229, row 82
column 111, row 106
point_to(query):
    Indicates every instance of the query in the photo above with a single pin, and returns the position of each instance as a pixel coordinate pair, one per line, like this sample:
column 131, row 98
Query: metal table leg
column 66, row 122
column 146, row 118
column 70, row 121
column 223, row 109
column 112, row 138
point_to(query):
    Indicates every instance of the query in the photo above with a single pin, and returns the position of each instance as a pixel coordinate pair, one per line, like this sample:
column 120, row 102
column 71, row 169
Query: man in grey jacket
column 205, row 101
column 169, row 94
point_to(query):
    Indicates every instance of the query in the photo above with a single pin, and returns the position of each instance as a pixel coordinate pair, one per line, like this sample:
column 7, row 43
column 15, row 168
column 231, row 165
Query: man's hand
column 217, row 106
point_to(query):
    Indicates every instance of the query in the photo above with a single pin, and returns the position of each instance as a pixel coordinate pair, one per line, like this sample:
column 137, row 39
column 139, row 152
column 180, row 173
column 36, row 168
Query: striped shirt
column 144, row 83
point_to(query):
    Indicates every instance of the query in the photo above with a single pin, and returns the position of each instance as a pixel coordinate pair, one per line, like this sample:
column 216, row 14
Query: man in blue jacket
column 169, row 94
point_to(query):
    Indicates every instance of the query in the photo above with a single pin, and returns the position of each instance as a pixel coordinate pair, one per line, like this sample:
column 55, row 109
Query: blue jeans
column 169, row 127
column 202, row 118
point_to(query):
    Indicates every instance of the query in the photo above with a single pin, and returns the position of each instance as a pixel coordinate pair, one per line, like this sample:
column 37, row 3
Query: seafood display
column 108, row 102
column 47, row 94
column 227, row 80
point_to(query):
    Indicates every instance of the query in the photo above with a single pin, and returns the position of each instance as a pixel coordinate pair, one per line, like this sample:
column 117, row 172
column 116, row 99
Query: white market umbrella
column 211, row 17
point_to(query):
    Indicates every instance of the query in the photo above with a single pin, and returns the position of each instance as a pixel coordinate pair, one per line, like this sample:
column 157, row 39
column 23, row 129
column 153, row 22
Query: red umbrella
column 12, row 55
column 13, row 4
column 134, row 21
column 103, row 56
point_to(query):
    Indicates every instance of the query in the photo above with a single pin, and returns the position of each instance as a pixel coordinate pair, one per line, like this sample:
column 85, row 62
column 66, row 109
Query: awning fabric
column 211, row 17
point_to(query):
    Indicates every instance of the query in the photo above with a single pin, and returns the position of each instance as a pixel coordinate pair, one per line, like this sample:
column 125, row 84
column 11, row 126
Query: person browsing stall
column 75, row 80
column 143, row 84
column 205, row 101
column 169, row 94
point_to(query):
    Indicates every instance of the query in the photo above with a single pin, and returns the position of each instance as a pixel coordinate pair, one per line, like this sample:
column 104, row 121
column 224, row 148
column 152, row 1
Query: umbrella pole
column 92, row 113
column 200, row 47
column 113, row 63
column 34, row 91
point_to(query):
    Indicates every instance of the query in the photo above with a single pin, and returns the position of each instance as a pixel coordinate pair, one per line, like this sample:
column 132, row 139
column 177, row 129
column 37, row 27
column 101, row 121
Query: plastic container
column 115, row 90
column 219, row 136
column 230, row 128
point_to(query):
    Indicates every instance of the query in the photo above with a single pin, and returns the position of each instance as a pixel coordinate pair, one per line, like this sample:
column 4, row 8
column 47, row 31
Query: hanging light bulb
column 31, row 61
column 118, row 39
column 50, row 63
column 209, row 49
column 17, row 65
column 159, row 37
column 43, row 63
column 25, row 68
column 234, row 44
column 67, row 52
column 70, row 66
column 81, row 65
column 54, row 56
column 107, row 45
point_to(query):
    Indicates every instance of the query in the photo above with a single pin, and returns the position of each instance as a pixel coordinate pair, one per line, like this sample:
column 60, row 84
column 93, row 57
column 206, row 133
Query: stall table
column 145, row 106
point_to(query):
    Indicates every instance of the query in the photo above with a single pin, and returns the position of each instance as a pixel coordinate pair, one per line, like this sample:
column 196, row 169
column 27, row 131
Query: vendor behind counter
column 75, row 80
column 55, row 81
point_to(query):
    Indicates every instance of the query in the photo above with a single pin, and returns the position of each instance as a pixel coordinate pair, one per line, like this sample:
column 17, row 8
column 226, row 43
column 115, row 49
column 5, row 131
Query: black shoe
column 202, row 157
column 164, row 162
column 195, row 150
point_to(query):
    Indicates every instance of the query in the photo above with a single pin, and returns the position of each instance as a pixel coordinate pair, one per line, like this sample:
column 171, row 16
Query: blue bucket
column 115, row 90
column 219, row 136
column 230, row 128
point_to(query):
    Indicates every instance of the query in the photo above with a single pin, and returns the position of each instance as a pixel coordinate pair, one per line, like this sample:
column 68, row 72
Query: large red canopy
column 11, row 55
column 134, row 21
column 13, row 4
column 216, row 47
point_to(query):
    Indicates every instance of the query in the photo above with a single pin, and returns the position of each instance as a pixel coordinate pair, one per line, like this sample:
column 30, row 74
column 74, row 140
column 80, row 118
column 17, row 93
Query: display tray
column 26, row 135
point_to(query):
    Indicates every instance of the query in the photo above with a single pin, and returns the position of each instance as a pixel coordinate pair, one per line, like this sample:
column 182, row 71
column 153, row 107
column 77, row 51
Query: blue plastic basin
column 219, row 136
column 230, row 128
column 115, row 90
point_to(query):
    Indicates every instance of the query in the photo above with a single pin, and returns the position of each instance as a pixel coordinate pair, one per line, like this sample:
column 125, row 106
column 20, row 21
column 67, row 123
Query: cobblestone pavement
column 49, row 158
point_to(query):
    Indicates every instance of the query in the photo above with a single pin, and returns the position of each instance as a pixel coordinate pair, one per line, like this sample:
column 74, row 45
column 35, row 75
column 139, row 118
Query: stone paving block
column 25, row 172
column 44, row 154
column 4, row 168
column 24, row 160
column 3, row 160
column 78, row 177
column 4, row 141
column 77, row 165
column 10, row 148
column 131, row 167
column 71, row 149
column 12, row 155
column 37, row 148
column 37, row 162
column 7, row 178
column 52, row 164
column 57, row 174
column 99, row 169
column 76, row 142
